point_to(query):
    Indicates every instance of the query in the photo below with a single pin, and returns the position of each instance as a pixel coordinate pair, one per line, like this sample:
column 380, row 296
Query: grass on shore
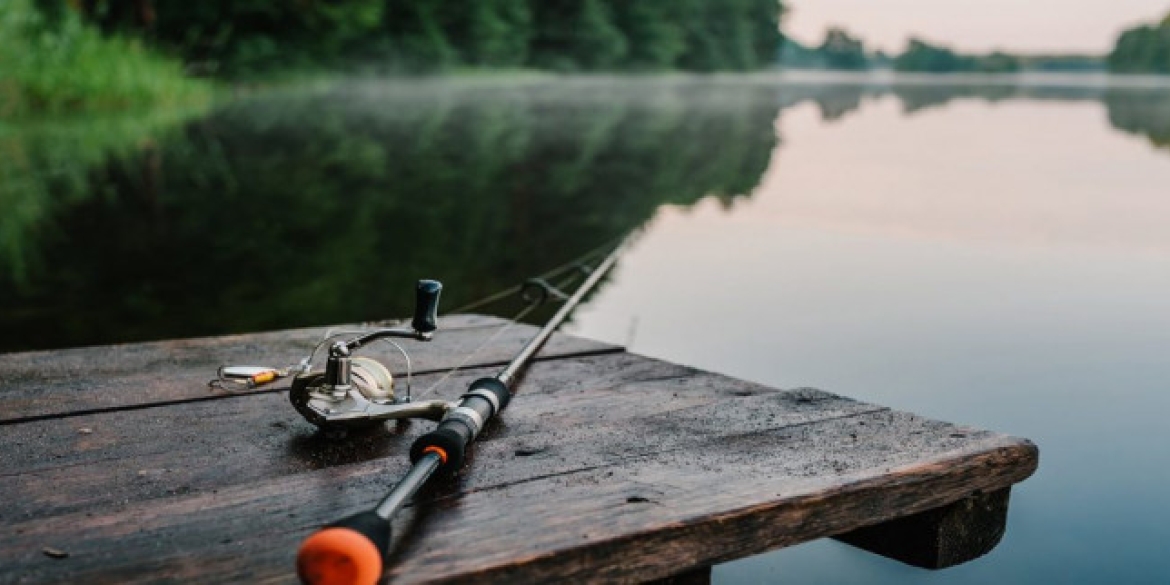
column 68, row 66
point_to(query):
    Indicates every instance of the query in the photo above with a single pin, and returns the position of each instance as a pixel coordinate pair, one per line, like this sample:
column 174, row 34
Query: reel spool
column 372, row 379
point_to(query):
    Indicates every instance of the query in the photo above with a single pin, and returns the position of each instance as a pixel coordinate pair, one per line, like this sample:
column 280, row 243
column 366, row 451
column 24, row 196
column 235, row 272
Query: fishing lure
column 246, row 376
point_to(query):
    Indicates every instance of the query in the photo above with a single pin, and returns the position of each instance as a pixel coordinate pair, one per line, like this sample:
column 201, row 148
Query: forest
column 63, row 56
column 1143, row 49
column 254, row 37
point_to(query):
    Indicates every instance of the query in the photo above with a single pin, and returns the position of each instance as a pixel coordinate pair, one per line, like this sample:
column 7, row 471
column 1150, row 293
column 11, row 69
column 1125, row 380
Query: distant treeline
column 841, row 50
column 1144, row 49
column 924, row 57
column 246, row 37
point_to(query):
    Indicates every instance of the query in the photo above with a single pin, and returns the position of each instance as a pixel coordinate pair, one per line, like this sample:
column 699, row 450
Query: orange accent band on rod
column 437, row 451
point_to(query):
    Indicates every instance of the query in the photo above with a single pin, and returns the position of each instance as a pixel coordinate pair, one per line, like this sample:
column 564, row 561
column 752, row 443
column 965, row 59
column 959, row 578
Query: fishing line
column 242, row 378
column 532, row 304
column 467, row 358
column 551, row 273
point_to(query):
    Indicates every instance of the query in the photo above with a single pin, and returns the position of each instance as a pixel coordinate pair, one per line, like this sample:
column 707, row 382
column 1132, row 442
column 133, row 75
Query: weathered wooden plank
column 44, row 384
column 606, row 467
column 579, row 480
column 943, row 537
column 654, row 516
column 638, row 517
column 159, row 452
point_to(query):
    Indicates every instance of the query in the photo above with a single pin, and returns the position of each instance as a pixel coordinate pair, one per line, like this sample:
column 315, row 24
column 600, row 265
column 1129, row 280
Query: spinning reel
column 355, row 391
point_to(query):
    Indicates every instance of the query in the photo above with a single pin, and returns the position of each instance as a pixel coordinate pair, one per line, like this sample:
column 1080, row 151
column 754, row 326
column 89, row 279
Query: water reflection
column 1142, row 112
column 44, row 169
column 1002, row 262
column 322, row 206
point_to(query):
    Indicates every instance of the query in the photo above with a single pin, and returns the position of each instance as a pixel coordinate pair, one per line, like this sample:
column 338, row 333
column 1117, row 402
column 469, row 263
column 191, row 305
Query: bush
column 54, row 63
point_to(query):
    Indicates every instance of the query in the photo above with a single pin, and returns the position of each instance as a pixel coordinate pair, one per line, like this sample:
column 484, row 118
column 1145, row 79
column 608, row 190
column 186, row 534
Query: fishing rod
column 352, row 549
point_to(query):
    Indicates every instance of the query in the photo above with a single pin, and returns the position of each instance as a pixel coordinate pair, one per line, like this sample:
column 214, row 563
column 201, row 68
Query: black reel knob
column 426, row 307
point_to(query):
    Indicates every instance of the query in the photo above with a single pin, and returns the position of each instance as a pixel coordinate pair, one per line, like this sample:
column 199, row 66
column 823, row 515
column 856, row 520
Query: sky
column 1022, row 26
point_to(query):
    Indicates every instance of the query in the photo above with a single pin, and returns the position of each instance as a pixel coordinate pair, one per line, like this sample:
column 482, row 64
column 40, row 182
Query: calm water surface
column 988, row 254
column 1002, row 264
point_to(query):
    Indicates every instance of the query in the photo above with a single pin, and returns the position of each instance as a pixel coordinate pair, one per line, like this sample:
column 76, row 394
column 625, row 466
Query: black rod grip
column 451, row 439
column 426, row 306
column 454, row 434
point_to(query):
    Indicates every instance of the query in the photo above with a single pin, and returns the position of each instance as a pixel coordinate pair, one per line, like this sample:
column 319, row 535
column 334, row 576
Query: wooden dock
column 119, row 464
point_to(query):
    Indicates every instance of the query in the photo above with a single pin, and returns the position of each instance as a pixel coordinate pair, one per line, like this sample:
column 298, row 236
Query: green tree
column 730, row 35
column 653, row 30
column 1144, row 49
column 499, row 33
column 842, row 51
column 417, row 34
column 598, row 43
column 997, row 62
column 924, row 57
column 241, row 38
column 576, row 34
column 766, row 38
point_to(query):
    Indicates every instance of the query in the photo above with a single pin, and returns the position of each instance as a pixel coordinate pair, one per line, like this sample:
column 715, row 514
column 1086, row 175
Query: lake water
column 990, row 252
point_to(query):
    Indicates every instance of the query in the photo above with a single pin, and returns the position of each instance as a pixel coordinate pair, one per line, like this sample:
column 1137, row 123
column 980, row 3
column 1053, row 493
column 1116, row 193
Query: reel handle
column 426, row 306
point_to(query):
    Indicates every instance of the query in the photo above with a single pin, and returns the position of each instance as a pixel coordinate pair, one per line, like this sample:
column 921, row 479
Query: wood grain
column 44, row 384
column 606, row 467
column 52, row 466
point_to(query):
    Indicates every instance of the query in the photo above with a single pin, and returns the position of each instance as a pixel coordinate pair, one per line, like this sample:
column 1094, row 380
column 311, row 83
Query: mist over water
column 987, row 253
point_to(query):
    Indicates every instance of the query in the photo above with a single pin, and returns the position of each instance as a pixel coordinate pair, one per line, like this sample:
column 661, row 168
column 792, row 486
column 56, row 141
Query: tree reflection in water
column 322, row 206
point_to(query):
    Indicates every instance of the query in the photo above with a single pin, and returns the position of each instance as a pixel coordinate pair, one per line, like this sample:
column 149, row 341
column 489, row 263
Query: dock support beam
column 699, row 576
column 939, row 538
